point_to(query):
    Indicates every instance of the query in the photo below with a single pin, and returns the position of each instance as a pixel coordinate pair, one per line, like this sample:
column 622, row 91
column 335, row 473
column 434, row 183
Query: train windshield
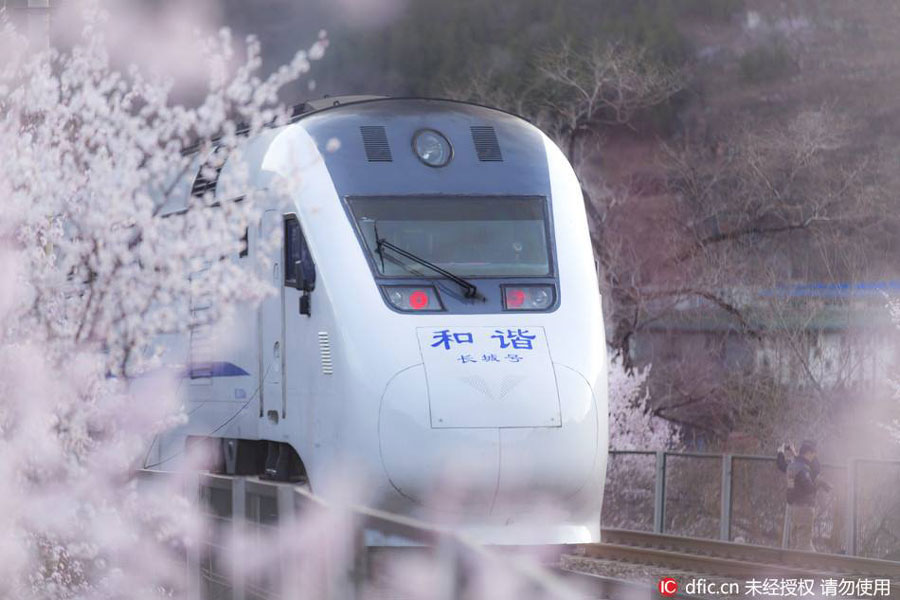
column 470, row 237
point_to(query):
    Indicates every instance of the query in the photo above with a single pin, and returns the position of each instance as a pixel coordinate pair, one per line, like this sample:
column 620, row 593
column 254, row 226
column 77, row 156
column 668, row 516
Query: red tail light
column 515, row 297
column 528, row 297
column 420, row 298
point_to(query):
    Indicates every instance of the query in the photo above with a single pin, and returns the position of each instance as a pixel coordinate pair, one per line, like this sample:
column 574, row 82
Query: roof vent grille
column 376, row 143
column 486, row 144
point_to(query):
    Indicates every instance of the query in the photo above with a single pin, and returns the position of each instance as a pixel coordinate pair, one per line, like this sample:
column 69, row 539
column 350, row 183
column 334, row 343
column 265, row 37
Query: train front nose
column 495, row 441
column 450, row 469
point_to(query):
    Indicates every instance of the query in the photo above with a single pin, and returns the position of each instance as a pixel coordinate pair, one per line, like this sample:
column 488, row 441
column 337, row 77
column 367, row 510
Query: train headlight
column 432, row 148
column 528, row 297
column 413, row 298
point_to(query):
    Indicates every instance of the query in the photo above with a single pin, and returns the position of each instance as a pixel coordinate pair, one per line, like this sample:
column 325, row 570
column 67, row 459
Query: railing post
column 289, row 583
column 347, row 563
column 238, row 522
column 725, row 517
column 194, row 493
column 361, row 561
column 449, row 555
column 851, row 507
column 659, row 496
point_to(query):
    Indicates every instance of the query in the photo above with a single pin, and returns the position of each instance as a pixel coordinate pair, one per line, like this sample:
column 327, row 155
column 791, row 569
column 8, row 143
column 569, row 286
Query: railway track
column 589, row 585
column 728, row 559
column 555, row 581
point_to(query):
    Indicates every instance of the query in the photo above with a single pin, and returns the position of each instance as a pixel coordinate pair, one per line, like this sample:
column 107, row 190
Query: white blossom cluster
column 91, row 272
column 632, row 424
column 91, row 157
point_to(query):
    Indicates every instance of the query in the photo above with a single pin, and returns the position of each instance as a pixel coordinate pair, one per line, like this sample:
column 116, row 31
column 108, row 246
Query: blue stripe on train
column 214, row 369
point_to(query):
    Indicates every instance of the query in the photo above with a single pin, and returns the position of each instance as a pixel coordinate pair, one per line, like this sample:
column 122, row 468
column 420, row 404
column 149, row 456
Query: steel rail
column 611, row 588
column 696, row 563
column 796, row 559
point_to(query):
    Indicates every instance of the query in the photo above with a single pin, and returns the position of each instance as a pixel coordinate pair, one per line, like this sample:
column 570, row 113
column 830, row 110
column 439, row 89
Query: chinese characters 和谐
column 512, row 341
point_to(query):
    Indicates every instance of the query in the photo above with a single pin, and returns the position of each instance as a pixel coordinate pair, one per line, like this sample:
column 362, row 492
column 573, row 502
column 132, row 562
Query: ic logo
column 668, row 586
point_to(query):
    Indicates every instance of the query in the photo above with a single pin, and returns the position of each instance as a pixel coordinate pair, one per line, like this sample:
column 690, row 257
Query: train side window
column 295, row 249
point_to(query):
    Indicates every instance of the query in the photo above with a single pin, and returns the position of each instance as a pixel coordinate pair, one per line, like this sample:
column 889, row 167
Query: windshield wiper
column 469, row 289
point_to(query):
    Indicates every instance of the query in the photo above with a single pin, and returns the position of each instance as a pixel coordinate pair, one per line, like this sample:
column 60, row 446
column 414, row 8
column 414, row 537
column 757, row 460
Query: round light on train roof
column 432, row 147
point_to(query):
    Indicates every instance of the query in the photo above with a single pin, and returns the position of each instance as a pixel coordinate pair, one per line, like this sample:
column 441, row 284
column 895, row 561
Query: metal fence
column 740, row 497
column 242, row 516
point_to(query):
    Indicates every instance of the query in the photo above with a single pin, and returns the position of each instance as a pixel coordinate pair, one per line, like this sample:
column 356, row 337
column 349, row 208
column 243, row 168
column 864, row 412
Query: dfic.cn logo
column 668, row 586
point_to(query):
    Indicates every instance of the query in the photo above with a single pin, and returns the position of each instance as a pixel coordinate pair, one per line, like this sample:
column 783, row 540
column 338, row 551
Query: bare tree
column 773, row 205
column 607, row 85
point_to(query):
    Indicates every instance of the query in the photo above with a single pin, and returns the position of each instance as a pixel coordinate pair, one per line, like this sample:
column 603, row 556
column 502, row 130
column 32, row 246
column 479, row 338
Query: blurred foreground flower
column 91, row 274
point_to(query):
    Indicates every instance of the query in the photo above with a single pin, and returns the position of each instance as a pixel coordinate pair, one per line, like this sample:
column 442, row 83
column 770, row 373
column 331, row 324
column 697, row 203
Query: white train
column 437, row 335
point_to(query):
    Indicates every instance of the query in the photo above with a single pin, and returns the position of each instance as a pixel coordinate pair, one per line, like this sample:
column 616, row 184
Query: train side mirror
column 305, row 282
column 305, row 307
column 305, row 275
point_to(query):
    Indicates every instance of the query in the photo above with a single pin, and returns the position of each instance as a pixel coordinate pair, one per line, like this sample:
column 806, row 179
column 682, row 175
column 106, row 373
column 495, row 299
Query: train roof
column 309, row 108
column 327, row 103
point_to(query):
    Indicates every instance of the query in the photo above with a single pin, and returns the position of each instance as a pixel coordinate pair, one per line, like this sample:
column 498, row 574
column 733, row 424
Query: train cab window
column 295, row 249
column 468, row 236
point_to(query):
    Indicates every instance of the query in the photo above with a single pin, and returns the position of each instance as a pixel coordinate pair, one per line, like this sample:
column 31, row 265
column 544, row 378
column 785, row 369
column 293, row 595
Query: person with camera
column 802, row 470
